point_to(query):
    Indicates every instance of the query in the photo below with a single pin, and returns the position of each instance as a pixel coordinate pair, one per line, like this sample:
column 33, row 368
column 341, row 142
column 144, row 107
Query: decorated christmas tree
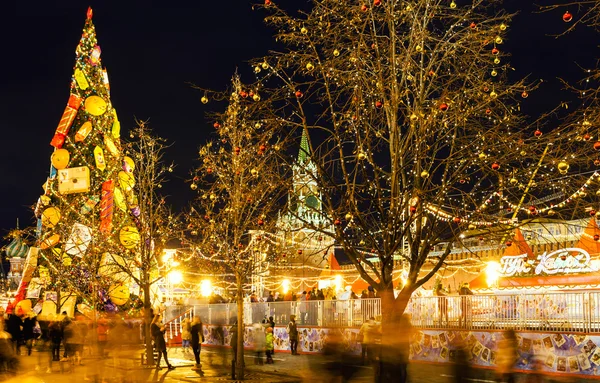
column 87, row 216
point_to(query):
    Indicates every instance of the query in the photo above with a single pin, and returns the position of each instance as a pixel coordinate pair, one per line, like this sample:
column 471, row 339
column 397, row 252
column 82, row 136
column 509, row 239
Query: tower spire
column 304, row 153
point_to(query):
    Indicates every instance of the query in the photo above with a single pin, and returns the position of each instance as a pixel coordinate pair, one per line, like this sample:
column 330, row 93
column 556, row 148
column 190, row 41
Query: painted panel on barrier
column 562, row 353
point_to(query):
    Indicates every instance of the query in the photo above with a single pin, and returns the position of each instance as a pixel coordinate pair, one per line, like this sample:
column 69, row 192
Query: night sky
column 154, row 50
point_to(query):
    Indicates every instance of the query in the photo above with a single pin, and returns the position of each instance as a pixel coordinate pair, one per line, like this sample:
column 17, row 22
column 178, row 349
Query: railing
column 560, row 311
column 173, row 327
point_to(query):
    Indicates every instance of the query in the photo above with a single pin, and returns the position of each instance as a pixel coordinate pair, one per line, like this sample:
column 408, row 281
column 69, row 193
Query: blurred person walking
column 461, row 364
column 29, row 324
column 507, row 356
column 269, row 345
column 158, row 332
column 366, row 338
column 14, row 326
column 259, row 342
column 186, row 334
column 197, row 338
column 292, row 330
column 395, row 350
column 55, row 334
column 465, row 305
column 442, row 302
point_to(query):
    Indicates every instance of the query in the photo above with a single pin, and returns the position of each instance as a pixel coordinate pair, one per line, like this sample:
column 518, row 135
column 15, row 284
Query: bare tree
column 415, row 131
column 153, row 218
column 241, row 187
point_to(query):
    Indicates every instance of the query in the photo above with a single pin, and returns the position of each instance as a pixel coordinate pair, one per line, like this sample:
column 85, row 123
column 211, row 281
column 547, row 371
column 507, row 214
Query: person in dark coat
column 158, row 332
column 14, row 327
column 28, row 334
column 197, row 339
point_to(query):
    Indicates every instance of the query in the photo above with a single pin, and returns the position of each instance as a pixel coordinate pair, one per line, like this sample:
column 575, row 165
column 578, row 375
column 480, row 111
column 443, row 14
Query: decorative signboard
column 563, row 261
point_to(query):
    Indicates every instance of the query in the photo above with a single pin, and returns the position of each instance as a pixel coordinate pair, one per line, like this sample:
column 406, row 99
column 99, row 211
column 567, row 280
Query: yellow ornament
column 126, row 181
column 128, row 164
column 82, row 82
column 95, row 105
column 494, row 73
column 204, row 99
column 60, row 158
column 256, row 97
column 496, row 60
column 499, row 40
column 310, row 66
column 265, row 65
column 120, row 199
column 493, row 94
column 66, row 260
column 424, row 174
column 99, row 158
column 563, row 167
column 336, row 53
column 50, row 241
column 502, row 27
column 119, row 293
column 50, row 217
column 129, row 237
column 116, row 127
column 110, row 145
column 303, row 30
column 453, row 5
column 45, row 200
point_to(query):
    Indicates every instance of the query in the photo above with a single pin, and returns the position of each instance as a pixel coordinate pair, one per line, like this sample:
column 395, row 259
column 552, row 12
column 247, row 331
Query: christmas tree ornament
column 494, row 73
column 303, row 30
column 216, row 125
column 443, row 107
column 265, row 65
column 60, row 158
column 126, row 181
column 424, row 174
column 50, row 217
column 587, row 137
column 129, row 237
column 299, row 94
column 128, row 164
column 74, row 180
column 95, row 105
column 538, row 133
column 267, row 2
column 563, row 167
column 95, row 55
column 495, row 166
column 567, row 17
column 79, row 240
column 99, row 158
column 498, row 40
column 80, row 79
column 63, row 127
column 116, row 126
column 49, row 241
column 452, row 5
column 364, row 8
column 473, row 25
column 524, row 94
column 597, row 145
column 376, row 3
column 204, row 100
column 107, row 206
column 119, row 293
column 337, row 222
column 110, row 145
column 496, row 60
column 84, row 130
column 495, row 51
column 503, row 27
column 310, row 66
column 256, row 97
column 378, row 104
column 336, row 53
column 193, row 186
column 89, row 205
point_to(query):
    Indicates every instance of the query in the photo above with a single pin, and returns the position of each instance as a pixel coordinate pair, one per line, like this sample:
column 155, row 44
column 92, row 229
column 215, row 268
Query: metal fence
column 560, row 311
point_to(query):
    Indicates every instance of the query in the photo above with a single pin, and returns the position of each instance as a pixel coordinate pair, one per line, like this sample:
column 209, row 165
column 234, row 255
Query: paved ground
column 216, row 368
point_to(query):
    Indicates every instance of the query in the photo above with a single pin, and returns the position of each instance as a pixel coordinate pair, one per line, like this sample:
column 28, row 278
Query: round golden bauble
column 60, row 158
column 95, row 105
column 310, row 66
column 336, row 53
column 424, row 174
column 303, row 30
column 563, row 167
column 204, row 100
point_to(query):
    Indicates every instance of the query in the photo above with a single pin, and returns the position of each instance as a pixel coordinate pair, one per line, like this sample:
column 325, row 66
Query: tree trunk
column 392, row 309
column 239, row 368
column 147, row 320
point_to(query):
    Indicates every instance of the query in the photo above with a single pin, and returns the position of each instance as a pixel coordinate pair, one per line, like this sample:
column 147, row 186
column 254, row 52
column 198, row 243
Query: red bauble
column 524, row 94
column 596, row 237
column 244, row 94
column 206, row 217
column 456, row 219
column 378, row 104
column 413, row 209
column 209, row 170
column 508, row 243
column 217, row 125
column 262, row 148
column 592, row 212
column 597, row 162
column 267, row 2
column 337, row 222
column 237, row 150
column 488, row 111
column 537, row 133
column 261, row 222
column 532, row 208
column 376, row 3
column 364, row 8
column 597, row 145
column 240, row 245
column 473, row 25
column 495, row 166
column 443, row 107
column 495, row 51
column 567, row 17
column 299, row 251
column 587, row 137
column 299, row 94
